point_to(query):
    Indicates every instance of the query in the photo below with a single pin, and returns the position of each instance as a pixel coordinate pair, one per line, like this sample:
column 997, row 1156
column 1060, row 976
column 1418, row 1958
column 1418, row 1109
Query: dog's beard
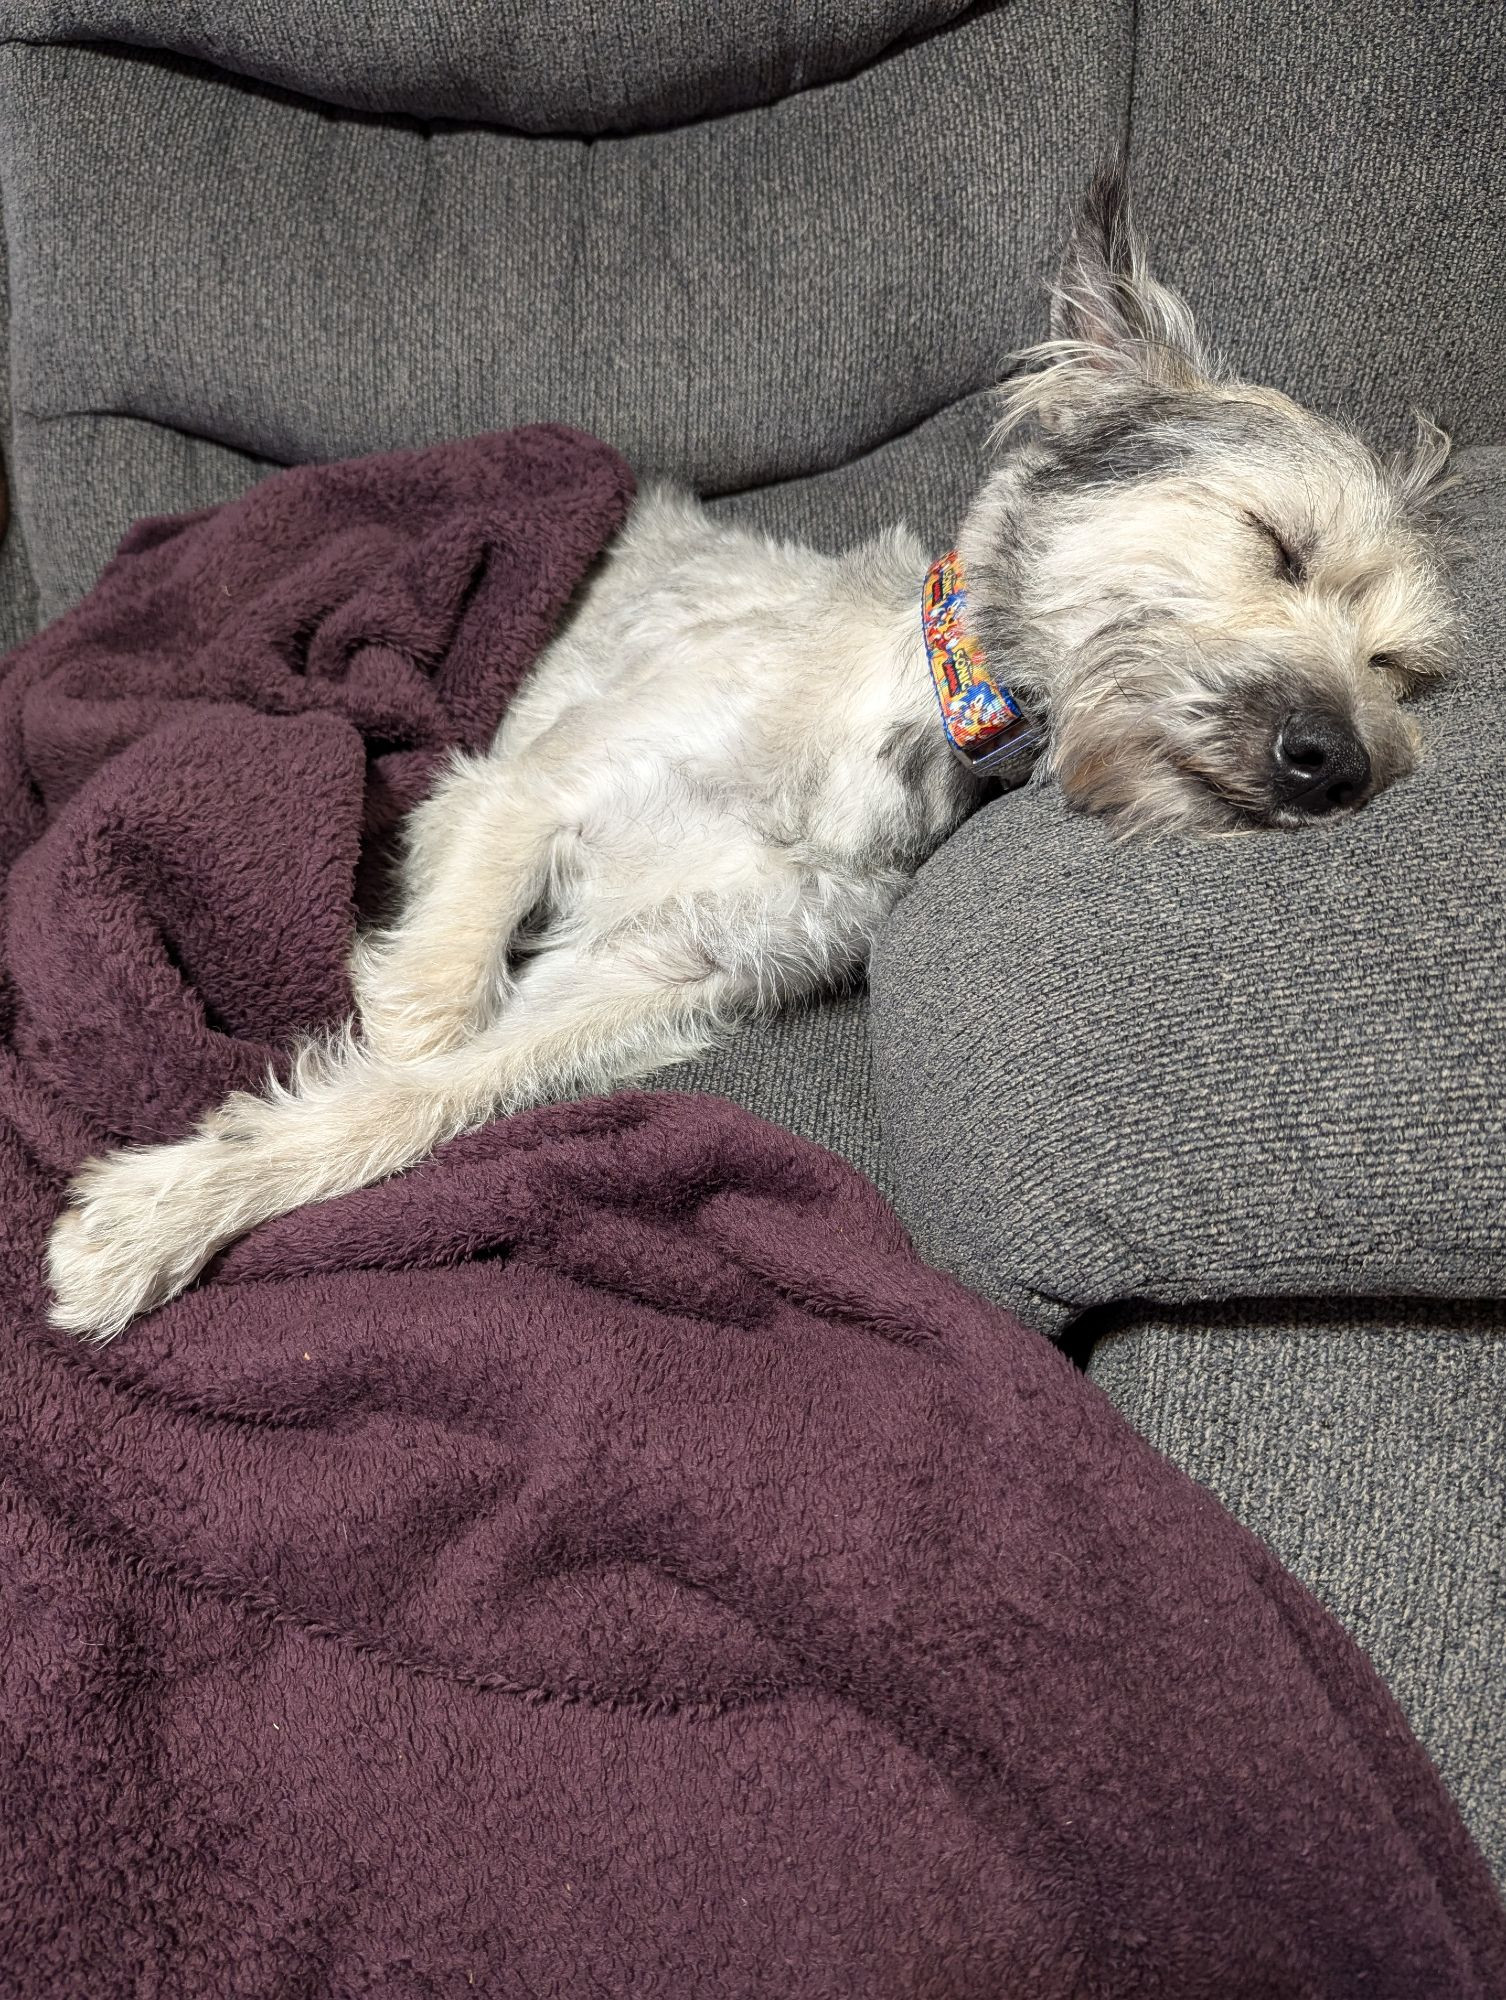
column 1152, row 732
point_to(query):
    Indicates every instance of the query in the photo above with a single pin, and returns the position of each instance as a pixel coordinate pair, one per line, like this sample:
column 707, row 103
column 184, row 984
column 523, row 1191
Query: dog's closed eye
column 1290, row 564
column 1405, row 670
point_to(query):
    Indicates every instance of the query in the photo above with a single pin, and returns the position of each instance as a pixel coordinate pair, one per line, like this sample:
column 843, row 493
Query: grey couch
column 1229, row 1122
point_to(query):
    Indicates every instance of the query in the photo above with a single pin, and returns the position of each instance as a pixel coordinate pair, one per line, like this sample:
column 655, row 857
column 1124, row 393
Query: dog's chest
column 748, row 708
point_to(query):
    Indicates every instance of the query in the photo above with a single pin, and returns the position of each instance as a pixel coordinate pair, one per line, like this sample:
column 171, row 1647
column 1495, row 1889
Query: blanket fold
column 603, row 1559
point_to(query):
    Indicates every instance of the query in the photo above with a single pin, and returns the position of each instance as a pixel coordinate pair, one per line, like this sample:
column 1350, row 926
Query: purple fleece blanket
column 603, row 1560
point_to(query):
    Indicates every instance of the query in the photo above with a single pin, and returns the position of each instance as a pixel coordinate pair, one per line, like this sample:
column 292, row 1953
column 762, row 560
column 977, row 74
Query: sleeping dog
column 1200, row 604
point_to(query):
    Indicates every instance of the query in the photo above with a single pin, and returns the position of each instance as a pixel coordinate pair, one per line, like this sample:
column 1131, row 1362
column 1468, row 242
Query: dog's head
column 1217, row 599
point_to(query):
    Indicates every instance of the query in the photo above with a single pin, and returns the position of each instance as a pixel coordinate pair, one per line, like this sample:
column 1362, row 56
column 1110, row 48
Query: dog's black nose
column 1321, row 766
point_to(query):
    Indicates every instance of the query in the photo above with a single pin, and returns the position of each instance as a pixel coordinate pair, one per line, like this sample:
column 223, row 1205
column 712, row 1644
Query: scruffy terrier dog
column 1207, row 602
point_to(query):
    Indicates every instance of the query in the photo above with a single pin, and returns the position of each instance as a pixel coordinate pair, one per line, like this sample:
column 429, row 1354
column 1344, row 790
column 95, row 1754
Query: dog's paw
column 118, row 1248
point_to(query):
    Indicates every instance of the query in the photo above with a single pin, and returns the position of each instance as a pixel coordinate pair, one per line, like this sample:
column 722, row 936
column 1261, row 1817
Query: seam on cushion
column 429, row 122
column 189, row 432
column 198, row 435
column 868, row 451
column 1444, row 1316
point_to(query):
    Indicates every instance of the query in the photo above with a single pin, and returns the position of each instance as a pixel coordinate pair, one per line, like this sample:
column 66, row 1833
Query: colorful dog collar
column 984, row 724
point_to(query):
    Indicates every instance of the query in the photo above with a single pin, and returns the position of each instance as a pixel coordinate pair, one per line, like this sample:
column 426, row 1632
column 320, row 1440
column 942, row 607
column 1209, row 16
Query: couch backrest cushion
column 1329, row 186
column 572, row 67
column 738, row 301
column 746, row 245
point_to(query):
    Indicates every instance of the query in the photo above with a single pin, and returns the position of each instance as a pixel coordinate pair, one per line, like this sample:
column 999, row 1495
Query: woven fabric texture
column 1364, row 1444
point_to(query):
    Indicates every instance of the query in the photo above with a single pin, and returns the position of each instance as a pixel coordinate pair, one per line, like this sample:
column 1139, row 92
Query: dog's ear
column 1114, row 328
column 1107, row 306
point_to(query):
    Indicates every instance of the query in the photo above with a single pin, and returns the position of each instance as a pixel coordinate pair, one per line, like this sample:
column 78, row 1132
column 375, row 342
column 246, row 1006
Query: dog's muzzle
column 1319, row 765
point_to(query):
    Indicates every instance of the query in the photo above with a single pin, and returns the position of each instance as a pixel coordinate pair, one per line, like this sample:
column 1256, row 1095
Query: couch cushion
column 737, row 302
column 1261, row 1066
column 1366, row 1443
column 576, row 66
column 1328, row 185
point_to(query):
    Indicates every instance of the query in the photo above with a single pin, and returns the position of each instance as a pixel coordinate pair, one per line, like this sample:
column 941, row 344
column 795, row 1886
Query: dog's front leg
column 477, row 859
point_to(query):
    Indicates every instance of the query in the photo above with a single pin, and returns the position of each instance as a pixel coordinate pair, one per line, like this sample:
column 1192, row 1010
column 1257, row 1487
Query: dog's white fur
column 722, row 773
column 708, row 783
